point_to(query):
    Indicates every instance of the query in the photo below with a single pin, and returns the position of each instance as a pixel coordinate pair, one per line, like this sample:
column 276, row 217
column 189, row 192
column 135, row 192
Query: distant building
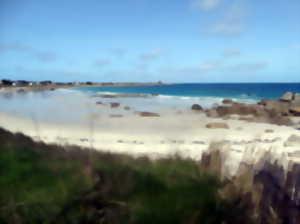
column 59, row 83
column 6, row 82
column 21, row 83
column 45, row 83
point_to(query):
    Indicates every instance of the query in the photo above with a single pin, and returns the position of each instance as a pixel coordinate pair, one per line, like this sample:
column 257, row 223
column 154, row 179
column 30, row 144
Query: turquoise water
column 251, row 91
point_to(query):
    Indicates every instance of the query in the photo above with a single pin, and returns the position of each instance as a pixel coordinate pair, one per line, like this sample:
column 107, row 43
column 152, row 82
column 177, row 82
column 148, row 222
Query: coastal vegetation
column 49, row 184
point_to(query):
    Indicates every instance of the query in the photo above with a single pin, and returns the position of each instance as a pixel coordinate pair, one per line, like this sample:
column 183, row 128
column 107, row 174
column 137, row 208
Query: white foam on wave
column 67, row 90
column 204, row 101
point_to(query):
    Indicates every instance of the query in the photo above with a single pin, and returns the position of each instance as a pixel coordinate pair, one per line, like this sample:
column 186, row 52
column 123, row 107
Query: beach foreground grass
column 42, row 183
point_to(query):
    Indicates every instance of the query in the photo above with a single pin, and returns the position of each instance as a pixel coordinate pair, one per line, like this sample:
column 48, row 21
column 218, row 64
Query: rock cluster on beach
column 267, row 111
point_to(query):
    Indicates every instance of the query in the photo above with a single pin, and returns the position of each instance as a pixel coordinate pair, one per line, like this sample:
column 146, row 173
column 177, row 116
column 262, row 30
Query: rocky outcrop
column 227, row 101
column 277, row 106
column 240, row 109
column 127, row 108
column 147, row 114
column 217, row 125
column 196, row 107
column 114, row 105
column 116, row 116
column 287, row 97
column 266, row 111
column 295, row 111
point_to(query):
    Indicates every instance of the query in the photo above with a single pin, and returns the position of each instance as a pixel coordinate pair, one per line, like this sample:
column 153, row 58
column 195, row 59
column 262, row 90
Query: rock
column 147, row 114
column 227, row 101
column 279, row 107
column 20, row 91
column 240, row 109
column 269, row 131
column 99, row 103
column 197, row 107
column 249, row 118
column 116, row 115
column 287, row 97
column 296, row 101
column 127, row 108
column 212, row 113
column 293, row 140
column 297, row 96
column 216, row 125
column 114, row 105
column 295, row 111
column 262, row 102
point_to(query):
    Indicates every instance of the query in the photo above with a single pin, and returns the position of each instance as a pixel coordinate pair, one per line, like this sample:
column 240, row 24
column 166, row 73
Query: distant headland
column 24, row 85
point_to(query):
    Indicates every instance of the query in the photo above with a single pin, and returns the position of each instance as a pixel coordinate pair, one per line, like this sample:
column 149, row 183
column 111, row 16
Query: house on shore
column 21, row 83
column 45, row 83
column 6, row 82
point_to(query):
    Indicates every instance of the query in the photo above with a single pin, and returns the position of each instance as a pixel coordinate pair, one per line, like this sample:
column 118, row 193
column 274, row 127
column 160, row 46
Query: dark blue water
column 254, row 91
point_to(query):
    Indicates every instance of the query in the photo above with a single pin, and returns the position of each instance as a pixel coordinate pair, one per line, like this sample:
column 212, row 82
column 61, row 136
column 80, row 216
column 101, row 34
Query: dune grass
column 48, row 184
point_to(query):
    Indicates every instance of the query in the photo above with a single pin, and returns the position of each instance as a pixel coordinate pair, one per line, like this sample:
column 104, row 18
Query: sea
column 74, row 104
column 206, row 94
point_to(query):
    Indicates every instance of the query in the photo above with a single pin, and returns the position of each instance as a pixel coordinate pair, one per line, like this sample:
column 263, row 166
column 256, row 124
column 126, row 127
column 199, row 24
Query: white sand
column 172, row 133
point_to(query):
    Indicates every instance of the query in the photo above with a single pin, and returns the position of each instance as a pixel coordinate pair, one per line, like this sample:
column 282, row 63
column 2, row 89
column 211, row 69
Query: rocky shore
column 282, row 111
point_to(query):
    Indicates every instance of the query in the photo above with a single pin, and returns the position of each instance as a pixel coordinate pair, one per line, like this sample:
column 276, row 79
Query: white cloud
column 206, row 4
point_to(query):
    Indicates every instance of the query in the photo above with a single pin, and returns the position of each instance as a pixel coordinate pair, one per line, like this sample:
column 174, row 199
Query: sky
column 150, row 40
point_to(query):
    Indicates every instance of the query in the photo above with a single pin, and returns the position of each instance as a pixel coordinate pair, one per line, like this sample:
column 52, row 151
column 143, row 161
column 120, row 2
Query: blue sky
column 150, row 40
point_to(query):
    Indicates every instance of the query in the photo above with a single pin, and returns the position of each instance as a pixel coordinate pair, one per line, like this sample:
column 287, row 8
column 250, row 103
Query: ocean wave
column 106, row 92
column 65, row 90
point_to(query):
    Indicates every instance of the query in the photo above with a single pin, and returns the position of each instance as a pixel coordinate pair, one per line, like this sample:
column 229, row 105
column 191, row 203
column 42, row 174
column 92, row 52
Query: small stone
column 217, row 125
column 227, row 101
column 197, row 107
column 114, row 105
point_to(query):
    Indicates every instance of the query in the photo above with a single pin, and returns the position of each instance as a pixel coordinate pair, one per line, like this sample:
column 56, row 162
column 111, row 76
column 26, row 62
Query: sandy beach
column 181, row 132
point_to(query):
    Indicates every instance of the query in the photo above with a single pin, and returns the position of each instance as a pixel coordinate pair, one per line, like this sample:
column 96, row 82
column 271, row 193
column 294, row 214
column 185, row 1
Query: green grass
column 49, row 184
